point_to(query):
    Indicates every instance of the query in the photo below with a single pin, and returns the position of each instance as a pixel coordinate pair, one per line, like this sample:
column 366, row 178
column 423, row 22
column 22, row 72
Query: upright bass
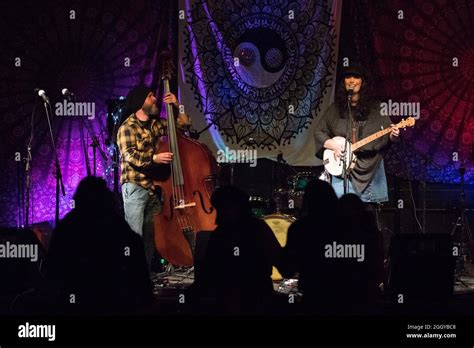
column 186, row 185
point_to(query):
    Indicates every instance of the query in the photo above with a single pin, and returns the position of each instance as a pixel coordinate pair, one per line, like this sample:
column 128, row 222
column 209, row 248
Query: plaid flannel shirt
column 137, row 145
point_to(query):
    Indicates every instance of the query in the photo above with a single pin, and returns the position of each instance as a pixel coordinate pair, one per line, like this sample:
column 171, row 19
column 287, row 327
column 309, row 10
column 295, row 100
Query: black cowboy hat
column 354, row 69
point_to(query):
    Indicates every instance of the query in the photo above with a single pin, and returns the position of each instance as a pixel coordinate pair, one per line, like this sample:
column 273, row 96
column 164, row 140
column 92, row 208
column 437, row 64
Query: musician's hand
column 338, row 149
column 183, row 121
column 395, row 134
column 338, row 153
column 170, row 98
column 163, row 158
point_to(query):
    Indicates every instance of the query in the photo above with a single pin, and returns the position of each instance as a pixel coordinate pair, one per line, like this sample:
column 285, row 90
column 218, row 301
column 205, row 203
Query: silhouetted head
column 92, row 195
column 319, row 197
column 351, row 202
column 232, row 204
column 351, row 208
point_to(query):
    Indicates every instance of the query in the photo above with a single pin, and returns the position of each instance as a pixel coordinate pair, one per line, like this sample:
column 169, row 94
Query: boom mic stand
column 347, row 153
column 57, row 170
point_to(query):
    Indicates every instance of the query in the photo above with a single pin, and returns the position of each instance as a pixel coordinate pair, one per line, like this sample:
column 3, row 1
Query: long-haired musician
column 367, row 175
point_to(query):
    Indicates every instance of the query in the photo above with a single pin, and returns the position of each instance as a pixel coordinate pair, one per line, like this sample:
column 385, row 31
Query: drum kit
column 286, row 205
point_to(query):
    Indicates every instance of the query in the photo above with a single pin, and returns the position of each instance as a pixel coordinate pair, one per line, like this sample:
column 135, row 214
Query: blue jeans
column 140, row 208
column 135, row 199
column 375, row 192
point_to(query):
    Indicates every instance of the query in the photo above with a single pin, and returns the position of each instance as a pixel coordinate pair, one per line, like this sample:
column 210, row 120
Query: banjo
column 335, row 166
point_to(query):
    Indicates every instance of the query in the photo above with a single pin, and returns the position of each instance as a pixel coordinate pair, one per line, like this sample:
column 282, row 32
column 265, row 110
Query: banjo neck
column 370, row 138
column 409, row 122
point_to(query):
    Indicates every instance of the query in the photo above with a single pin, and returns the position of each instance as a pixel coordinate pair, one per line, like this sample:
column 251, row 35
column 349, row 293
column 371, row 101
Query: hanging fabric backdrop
column 98, row 51
column 257, row 72
column 423, row 52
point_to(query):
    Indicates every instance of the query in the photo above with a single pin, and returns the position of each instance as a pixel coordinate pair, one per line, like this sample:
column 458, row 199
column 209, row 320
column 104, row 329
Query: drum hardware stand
column 465, row 235
column 95, row 145
column 279, row 169
column 275, row 184
column 95, row 142
column 281, row 161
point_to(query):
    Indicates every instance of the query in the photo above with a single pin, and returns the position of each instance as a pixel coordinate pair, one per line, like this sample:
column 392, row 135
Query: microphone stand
column 95, row 145
column 28, row 161
column 57, row 171
column 347, row 155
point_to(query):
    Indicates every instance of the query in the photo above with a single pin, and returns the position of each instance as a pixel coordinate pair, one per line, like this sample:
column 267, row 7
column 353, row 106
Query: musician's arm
column 183, row 121
column 127, row 143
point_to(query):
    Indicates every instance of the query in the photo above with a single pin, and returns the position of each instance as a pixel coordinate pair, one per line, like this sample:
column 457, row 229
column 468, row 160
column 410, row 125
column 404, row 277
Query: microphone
column 350, row 92
column 66, row 92
column 42, row 94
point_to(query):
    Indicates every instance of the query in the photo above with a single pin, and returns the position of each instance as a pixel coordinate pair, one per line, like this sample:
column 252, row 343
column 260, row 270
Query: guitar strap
column 354, row 126
column 353, row 138
column 360, row 128
column 357, row 128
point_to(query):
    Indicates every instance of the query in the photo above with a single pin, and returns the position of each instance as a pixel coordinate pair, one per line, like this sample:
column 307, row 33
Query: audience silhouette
column 359, row 227
column 237, row 267
column 303, row 254
column 21, row 273
column 96, row 263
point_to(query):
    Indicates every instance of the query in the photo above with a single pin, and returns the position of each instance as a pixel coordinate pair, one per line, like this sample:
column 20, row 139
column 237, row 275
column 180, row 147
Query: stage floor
column 168, row 288
column 182, row 279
